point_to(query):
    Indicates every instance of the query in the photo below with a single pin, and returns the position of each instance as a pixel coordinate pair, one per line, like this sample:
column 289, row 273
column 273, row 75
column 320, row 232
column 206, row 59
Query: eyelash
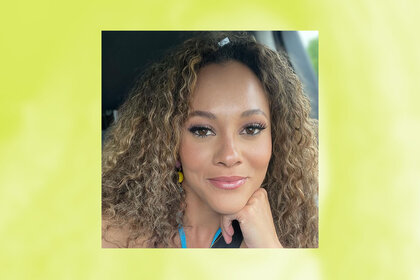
column 259, row 126
column 255, row 126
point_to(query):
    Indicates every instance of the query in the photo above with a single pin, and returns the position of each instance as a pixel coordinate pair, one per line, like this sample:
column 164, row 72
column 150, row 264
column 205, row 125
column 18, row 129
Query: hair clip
column 224, row 42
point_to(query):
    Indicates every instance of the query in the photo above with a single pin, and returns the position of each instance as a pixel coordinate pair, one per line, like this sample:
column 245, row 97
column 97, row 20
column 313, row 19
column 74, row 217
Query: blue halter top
column 184, row 240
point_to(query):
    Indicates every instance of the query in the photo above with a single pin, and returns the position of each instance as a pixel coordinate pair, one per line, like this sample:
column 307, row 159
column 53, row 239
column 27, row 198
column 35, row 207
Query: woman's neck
column 200, row 221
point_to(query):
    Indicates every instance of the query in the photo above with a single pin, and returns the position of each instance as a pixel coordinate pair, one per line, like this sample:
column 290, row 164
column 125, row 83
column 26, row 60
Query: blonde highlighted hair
column 139, row 179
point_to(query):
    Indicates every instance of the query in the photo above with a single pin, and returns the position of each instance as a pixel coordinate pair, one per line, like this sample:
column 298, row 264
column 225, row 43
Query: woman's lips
column 228, row 183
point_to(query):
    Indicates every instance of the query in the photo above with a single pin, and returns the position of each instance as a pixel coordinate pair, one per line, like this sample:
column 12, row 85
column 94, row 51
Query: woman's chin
column 229, row 207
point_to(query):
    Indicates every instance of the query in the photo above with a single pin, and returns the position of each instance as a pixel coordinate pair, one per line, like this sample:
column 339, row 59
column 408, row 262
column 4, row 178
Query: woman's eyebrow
column 203, row 114
column 248, row 113
column 244, row 114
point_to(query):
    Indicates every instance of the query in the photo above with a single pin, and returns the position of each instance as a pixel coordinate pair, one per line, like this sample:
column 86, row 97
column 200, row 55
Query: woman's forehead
column 228, row 86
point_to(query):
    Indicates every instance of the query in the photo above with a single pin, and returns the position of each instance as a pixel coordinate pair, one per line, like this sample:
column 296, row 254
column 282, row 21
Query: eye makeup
column 250, row 129
column 253, row 129
column 201, row 131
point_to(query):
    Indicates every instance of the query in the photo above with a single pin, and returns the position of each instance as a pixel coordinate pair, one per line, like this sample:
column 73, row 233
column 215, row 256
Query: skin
column 231, row 114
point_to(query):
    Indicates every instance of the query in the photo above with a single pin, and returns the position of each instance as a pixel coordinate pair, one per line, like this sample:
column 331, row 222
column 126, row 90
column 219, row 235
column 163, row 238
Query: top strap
column 184, row 240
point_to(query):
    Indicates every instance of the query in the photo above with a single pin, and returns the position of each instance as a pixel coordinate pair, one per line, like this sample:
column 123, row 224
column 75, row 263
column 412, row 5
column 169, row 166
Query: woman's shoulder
column 113, row 236
column 119, row 237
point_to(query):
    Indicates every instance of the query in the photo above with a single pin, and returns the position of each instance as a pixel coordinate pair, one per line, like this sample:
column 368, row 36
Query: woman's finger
column 227, row 228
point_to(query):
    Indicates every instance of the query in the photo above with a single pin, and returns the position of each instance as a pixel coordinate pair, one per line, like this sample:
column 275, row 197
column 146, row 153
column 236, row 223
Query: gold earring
column 180, row 177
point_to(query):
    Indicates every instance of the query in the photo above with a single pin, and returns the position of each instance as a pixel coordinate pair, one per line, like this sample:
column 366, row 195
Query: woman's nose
column 227, row 153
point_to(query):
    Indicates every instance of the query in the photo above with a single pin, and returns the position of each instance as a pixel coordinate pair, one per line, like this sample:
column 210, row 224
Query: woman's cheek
column 259, row 156
column 194, row 156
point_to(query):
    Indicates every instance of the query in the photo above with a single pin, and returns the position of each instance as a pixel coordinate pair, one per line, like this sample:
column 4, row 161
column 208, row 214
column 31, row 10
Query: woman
column 213, row 148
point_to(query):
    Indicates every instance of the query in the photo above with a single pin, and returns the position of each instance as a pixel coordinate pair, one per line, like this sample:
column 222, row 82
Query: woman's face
column 226, row 141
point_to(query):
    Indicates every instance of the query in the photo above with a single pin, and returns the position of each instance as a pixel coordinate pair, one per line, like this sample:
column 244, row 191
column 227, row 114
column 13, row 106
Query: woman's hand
column 256, row 222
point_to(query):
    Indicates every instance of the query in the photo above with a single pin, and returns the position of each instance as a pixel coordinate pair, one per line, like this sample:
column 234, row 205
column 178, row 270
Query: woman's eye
column 253, row 129
column 201, row 131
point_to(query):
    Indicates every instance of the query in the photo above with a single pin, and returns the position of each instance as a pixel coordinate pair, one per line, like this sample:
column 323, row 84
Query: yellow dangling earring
column 180, row 177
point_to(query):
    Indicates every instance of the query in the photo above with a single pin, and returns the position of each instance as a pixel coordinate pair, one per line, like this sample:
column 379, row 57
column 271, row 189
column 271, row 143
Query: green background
column 50, row 140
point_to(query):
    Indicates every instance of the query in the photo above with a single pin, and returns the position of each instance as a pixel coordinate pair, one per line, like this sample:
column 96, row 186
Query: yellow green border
column 50, row 140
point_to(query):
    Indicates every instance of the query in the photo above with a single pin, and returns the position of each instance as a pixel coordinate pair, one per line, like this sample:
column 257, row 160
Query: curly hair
column 139, row 180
